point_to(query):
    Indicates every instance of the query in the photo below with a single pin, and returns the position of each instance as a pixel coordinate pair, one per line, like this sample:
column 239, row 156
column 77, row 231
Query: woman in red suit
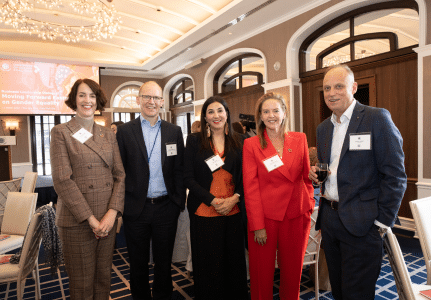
column 278, row 198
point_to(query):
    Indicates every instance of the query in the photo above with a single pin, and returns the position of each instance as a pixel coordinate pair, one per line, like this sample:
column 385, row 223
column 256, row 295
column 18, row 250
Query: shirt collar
column 346, row 116
column 147, row 123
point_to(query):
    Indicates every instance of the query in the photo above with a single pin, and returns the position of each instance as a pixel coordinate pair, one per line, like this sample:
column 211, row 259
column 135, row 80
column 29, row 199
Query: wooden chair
column 17, row 214
column 28, row 262
column 5, row 188
column 29, row 183
column 421, row 210
column 312, row 252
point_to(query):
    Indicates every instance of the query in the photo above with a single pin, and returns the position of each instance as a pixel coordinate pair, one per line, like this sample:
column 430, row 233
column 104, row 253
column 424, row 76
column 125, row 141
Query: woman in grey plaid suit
column 89, row 179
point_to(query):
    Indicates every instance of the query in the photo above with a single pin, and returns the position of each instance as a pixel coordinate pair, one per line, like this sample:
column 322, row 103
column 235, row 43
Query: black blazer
column 198, row 176
column 135, row 160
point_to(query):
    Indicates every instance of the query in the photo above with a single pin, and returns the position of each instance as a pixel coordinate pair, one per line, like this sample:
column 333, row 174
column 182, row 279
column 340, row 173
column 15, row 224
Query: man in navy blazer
column 152, row 152
column 367, row 181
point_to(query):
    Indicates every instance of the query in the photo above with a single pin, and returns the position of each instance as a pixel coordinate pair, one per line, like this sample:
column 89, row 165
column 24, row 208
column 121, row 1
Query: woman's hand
column 94, row 224
column 224, row 206
column 108, row 221
column 260, row 236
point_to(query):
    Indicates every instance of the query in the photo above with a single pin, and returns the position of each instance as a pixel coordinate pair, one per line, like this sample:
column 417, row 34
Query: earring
column 208, row 130
column 226, row 128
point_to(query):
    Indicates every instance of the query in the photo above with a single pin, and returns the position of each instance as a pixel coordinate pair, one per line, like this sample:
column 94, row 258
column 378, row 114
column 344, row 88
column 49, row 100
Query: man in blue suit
column 367, row 181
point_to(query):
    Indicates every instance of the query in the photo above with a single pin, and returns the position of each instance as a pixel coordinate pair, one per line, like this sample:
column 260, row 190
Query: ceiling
column 159, row 37
column 156, row 37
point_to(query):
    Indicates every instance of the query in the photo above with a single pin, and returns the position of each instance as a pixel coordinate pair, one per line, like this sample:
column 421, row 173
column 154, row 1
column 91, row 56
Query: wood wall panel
column 242, row 101
column 397, row 91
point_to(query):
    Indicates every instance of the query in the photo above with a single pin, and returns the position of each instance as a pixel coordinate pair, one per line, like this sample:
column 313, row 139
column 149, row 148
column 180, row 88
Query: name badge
column 82, row 135
column 171, row 149
column 360, row 141
column 214, row 162
column 272, row 163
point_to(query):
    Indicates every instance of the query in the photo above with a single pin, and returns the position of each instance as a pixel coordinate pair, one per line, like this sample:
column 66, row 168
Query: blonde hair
column 260, row 126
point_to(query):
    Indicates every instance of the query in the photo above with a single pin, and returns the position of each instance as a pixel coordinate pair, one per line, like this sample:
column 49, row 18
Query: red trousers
column 290, row 236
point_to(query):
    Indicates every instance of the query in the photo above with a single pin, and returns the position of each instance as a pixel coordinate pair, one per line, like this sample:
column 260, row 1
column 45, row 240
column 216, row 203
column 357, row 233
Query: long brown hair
column 231, row 139
column 260, row 126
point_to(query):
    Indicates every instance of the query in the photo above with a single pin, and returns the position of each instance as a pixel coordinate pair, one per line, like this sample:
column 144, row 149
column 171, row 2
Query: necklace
column 278, row 145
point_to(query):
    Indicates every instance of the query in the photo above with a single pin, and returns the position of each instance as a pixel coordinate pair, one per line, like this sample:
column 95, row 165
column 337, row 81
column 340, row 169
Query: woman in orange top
column 212, row 173
column 278, row 198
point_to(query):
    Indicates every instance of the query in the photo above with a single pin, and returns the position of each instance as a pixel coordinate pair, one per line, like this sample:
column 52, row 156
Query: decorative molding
column 268, row 26
column 423, row 51
column 425, row 185
column 279, row 84
column 219, row 62
column 407, row 224
column 170, row 83
column 128, row 73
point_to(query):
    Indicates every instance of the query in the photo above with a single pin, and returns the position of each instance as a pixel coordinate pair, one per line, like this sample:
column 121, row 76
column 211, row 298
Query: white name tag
column 82, row 135
column 171, row 149
column 272, row 163
column 214, row 162
column 360, row 141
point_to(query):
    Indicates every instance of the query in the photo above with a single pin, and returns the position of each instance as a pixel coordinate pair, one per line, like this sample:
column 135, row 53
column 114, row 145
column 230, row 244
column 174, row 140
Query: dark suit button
column 91, row 186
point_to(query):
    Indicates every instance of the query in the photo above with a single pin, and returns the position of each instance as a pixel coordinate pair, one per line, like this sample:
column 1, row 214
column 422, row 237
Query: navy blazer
column 135, row 161
column 198, row 176
column 371, row 183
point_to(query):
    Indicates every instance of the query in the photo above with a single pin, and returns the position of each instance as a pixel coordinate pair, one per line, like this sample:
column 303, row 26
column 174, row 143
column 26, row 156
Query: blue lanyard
column 152, row 148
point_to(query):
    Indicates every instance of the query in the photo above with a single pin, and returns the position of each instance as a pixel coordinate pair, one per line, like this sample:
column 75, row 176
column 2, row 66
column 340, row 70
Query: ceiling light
column 106, row 23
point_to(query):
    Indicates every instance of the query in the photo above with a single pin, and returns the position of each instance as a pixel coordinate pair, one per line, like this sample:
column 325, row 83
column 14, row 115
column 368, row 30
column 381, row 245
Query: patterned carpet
column 183, row 286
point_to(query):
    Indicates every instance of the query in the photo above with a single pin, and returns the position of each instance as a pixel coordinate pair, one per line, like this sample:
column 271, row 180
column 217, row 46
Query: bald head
column 150, row 100
column 339, row 86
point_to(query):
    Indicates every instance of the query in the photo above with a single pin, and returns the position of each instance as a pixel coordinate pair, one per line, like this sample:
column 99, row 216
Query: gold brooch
column 290, row 150
column 102, row 135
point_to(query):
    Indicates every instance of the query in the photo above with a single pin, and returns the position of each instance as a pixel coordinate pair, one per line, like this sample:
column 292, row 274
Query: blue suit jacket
column 371, row 183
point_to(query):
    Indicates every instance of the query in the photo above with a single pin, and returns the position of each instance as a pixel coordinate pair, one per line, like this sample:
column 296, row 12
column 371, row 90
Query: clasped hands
column 101, row 229
column 224, row 205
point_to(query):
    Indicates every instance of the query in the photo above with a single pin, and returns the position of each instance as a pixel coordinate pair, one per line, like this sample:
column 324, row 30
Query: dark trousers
column 353, row 262
column 157, row 222
column 218, row 256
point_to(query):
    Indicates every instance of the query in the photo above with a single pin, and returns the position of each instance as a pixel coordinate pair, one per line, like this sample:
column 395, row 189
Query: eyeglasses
column 147, row 98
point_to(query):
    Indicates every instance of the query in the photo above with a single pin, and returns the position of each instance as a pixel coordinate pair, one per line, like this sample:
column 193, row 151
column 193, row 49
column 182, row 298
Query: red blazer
column 285, row 191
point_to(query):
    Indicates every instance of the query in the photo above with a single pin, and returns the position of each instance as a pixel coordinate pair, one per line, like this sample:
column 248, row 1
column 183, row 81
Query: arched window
column 390, row 28
column 181, row 92
column 124, row 103
column 238, row 73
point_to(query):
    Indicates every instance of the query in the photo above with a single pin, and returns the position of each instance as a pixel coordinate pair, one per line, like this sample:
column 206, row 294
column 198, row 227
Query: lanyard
column 152, row 148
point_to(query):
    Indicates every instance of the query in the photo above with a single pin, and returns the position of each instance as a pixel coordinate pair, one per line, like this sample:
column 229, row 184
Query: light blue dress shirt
column 152, row 138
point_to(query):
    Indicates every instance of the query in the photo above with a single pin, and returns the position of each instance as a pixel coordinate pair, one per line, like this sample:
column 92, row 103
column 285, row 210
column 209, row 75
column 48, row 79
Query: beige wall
column 427, row 117
column 20, row 152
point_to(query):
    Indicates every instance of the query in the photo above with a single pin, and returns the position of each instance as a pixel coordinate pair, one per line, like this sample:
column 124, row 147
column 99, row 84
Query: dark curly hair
column 94, row 86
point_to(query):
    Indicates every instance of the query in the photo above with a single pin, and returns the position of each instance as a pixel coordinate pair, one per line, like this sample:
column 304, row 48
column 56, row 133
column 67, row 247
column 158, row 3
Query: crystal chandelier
column 103, row 24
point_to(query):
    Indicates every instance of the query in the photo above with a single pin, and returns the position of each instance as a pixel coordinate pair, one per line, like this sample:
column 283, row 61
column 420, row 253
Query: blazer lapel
column 288, row 156
column 163, row 139
column 327, row 141
column 92, row 143
column 137, row 131
column 357, row 115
